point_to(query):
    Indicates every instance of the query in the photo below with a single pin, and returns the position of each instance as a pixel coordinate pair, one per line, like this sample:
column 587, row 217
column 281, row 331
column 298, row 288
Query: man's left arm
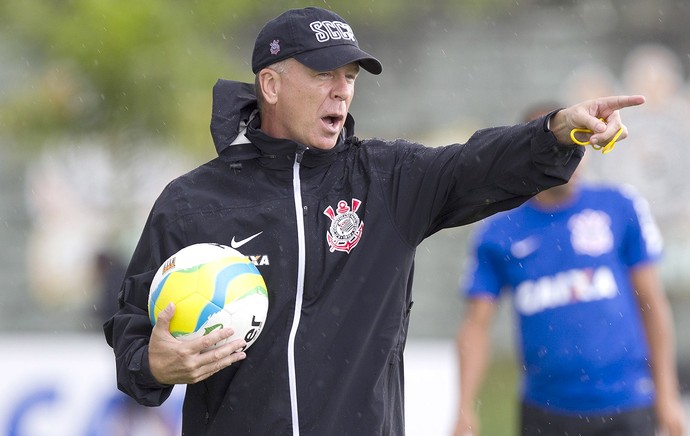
column 658, row 325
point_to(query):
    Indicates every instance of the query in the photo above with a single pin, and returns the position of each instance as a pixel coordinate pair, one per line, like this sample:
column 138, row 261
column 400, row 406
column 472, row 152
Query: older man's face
column 311, row 106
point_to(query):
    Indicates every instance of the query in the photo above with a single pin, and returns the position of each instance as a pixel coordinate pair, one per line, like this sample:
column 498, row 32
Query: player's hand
column 173, row 361
column 467, row 424
column 670, row 416
column 588, row 115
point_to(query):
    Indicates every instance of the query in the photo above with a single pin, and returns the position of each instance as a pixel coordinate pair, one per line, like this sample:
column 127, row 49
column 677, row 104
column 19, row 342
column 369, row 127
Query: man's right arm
column 149, row 360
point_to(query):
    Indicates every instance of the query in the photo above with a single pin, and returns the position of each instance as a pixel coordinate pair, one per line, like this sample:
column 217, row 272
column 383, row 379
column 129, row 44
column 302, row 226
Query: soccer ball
column 213, row 286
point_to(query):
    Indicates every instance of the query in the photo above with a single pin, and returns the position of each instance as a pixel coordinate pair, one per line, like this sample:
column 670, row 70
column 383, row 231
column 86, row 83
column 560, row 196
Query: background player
column 594, row 326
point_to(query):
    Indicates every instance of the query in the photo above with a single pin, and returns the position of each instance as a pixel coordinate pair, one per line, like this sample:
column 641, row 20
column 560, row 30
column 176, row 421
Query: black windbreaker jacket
column 337, row 232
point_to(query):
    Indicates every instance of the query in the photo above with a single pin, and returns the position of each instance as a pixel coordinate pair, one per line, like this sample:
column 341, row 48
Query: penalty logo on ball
column 212, row 286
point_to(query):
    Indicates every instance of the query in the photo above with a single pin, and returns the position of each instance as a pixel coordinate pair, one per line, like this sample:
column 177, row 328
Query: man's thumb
column 165, row 316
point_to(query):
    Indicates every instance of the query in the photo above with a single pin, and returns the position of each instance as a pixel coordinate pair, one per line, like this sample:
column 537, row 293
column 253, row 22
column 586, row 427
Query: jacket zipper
column 301, row 254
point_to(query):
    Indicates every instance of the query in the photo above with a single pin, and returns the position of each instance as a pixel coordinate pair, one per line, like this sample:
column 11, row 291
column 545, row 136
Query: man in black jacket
column 332, row 222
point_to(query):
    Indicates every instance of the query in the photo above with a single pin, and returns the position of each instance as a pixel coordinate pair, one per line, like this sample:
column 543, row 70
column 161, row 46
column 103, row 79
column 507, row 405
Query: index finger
column 616, row 102
column 604, row 117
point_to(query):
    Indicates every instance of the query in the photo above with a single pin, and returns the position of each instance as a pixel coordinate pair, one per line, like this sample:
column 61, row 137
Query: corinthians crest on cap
column 346, row 227
column 274, row 47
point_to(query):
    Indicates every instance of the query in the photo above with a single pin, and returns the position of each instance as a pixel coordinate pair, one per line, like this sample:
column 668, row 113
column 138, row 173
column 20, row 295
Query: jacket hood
column 234, row 106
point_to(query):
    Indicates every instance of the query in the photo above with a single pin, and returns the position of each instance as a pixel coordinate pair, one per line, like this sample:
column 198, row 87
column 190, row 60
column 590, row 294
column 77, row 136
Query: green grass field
column 498, row 406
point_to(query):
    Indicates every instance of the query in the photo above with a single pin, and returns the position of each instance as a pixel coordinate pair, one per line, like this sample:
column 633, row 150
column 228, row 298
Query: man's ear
column 269, row 81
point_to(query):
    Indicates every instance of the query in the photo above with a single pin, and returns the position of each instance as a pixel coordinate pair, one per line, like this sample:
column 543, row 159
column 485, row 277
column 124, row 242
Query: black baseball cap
column 316, row 37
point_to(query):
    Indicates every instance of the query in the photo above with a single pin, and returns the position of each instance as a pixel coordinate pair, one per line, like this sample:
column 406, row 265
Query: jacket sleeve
column 496, row 169
column 129, row 330
column 500, row 169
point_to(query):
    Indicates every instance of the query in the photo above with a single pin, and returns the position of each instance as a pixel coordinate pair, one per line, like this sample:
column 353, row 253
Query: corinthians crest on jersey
column 346, row 227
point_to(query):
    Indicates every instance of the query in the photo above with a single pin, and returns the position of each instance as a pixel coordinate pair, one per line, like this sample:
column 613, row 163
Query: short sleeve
column 484, row 275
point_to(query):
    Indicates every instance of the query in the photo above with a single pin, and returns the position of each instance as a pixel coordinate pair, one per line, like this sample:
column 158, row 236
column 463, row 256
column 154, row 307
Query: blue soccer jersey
column 581, row 336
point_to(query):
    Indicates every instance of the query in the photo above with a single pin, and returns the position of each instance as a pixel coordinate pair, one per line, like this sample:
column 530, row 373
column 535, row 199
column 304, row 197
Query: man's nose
column 343, row 89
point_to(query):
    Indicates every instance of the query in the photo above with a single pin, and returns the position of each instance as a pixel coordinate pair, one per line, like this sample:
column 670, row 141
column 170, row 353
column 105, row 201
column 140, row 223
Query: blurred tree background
column 145, row 68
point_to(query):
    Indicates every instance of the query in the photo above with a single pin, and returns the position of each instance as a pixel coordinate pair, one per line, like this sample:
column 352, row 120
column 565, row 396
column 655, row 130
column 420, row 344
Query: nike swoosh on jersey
column 522, row 249
column 238, row 244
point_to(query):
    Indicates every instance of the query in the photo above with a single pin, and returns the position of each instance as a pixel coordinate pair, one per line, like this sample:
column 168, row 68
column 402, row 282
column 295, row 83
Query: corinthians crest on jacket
column 346, row 227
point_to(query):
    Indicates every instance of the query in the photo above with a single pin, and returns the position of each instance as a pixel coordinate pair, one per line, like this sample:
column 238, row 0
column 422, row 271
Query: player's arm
column 657, row 319
column 474, row 350
column 184, row 362
column 588, row 115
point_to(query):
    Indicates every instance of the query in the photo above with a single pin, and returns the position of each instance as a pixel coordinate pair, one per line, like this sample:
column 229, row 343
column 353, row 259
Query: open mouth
column 333, row 121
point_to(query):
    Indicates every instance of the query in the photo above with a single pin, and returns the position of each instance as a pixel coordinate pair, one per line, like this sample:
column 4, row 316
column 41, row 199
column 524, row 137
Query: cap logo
column 275, row 47
column 328, row 30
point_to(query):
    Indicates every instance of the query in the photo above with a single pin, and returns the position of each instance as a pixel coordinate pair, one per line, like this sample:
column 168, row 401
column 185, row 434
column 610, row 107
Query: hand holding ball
column 213, row 286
